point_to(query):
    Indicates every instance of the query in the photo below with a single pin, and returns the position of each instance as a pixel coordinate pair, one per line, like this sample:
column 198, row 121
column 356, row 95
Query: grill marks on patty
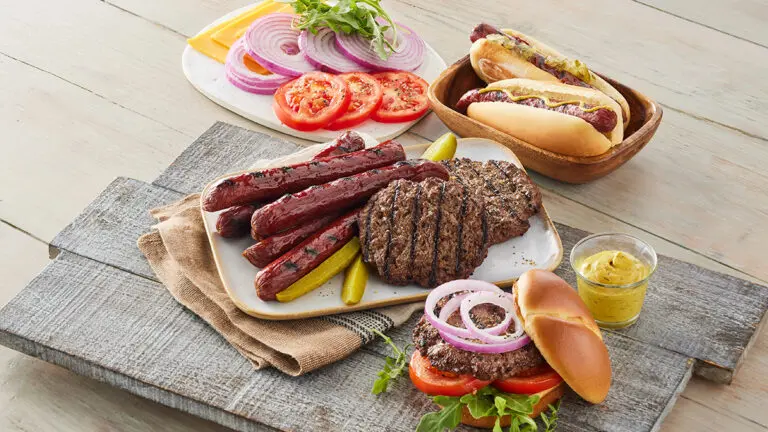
column 428, row 232
column 510, row 196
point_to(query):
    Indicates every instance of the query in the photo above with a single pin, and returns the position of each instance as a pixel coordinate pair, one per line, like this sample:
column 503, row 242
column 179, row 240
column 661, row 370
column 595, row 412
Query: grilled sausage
column 271, row 183
column 304, row 257
column 270, row 248
column 343, row 193
column 347, row 142
column 604, row 120
column 235, row 221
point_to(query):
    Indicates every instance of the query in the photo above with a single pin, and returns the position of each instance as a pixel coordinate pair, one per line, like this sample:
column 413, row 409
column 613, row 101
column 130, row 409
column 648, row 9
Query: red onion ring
column 409, row 54
column 274, row 43
column 447, row 289
column 245, row 79
column 503, row 301
column 479, row 292
column 484, row 348
column 453, row 305
column 320, row 51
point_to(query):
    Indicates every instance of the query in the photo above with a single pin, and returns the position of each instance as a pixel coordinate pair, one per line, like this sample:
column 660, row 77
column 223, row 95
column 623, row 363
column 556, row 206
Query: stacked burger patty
column 436, row 231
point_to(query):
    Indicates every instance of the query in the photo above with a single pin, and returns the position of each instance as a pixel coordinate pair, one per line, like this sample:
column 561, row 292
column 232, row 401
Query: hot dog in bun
column 501, row 54
column 561, row 118
column 491, row 358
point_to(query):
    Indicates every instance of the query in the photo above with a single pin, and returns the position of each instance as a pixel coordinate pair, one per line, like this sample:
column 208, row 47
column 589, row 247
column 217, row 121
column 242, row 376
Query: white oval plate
column 540, row 247
column 207, row 76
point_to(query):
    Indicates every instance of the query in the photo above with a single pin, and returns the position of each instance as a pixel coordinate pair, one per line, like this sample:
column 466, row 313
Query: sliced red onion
column 245, row 79
column 447, row 289
column 485, row 348
column 453, row 305
column 408, row 56
column 471, row 294
column 503, row 301
column 274, row 43
column 320, row 50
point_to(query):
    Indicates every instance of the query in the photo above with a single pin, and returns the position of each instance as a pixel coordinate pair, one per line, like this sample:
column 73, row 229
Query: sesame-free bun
column 551, row 130
column 492, row 62
column 561, row 326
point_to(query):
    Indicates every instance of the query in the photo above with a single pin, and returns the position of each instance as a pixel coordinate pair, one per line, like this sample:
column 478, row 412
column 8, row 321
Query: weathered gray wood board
column 98, row 310
column 126, row 330
column 700, row 313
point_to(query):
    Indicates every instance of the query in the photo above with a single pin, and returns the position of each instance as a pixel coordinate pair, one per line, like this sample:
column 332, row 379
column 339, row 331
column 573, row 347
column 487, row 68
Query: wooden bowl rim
column 627, row 144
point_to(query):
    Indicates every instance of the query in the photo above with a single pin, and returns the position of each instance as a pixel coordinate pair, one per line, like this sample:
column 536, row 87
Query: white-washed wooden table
column 93, row 89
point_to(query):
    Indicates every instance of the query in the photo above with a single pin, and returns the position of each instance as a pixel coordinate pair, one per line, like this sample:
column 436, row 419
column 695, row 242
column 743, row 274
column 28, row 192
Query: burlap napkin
column 179, row 254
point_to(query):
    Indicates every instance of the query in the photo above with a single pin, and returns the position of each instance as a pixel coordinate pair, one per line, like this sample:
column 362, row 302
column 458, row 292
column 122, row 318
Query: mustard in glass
column 612, row 272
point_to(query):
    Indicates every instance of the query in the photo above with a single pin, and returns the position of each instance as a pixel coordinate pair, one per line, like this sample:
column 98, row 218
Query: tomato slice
column 434, row 382
column 311, row 101
column 538, row 379
column 405, row 97
column 366, row 97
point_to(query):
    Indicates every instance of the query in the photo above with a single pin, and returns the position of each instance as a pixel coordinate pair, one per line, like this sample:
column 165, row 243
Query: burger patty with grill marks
column 509, row 195
column 429, row 232
column 446, row 357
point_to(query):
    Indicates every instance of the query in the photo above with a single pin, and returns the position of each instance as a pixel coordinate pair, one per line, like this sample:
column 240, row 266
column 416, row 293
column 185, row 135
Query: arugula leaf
column 550, row 421
column 489, row 401
column 394, row 365
column 447, row 418
column 365, row 17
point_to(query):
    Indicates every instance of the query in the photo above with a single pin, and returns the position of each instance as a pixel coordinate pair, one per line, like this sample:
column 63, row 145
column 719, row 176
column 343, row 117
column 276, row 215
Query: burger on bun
column 491, row 358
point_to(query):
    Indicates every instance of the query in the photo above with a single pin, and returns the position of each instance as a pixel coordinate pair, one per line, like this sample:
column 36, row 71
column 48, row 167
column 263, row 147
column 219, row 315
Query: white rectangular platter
column 207, row 76
column 540, row 247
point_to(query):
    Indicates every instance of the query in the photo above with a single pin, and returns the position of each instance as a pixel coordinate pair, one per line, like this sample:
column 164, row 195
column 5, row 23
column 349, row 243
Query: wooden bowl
column 645, row 115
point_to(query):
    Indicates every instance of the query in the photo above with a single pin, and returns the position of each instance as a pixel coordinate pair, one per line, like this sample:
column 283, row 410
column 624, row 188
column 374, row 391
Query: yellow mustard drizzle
column 546, row 100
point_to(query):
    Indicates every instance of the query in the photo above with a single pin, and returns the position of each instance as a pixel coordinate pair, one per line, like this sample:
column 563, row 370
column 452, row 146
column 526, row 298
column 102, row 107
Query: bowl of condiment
column 612, row 272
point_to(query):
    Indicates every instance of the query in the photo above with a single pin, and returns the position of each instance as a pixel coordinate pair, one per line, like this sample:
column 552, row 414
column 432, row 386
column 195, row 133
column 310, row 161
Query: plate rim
column 360, row 306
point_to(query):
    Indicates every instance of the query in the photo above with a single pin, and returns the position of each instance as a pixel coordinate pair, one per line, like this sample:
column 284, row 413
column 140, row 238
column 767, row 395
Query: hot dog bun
column 493, row 62
column 554, row 131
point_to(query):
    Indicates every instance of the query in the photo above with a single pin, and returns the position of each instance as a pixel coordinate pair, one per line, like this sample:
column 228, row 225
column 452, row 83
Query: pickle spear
column 442, row 149
column 354, row 281
column 329, row 268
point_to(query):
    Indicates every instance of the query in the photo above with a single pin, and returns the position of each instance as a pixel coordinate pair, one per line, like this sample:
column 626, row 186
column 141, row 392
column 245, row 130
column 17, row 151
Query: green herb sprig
column 349, row 16
column 488, row 401
column 394, row 365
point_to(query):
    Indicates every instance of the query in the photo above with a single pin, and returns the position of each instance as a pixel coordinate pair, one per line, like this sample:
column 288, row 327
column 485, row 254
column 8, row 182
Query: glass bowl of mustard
column 612, row 272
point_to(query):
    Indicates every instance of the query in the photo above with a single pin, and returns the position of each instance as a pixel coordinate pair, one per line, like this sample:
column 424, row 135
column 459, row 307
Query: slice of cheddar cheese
column 204, row 42
column 234, row 30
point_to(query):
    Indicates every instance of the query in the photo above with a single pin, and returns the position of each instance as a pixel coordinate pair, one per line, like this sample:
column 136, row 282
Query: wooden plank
column 702, row 314
column 116, row 219
column 91, row 317
column 40, row 396
column 651, row 50
column 744, row 19
column 63, row 145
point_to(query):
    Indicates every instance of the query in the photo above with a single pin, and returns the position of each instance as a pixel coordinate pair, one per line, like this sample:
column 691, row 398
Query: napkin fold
column 180, row 255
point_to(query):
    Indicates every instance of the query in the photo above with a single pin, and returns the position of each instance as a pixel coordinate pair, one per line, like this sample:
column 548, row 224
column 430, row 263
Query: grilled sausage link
column 235, row 221
column 343, row 193
column 271, row 183
column 604, row 120
column 347, row 142
column 304, row 257
column 483, row 30
column 270, row 248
